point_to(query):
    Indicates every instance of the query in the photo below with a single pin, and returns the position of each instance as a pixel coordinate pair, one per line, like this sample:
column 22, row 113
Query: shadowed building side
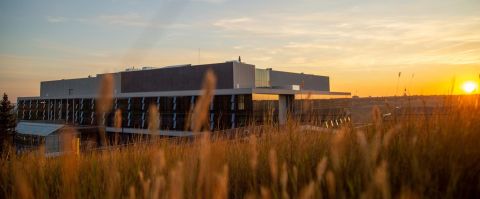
column 305, row 81
column 229, row 75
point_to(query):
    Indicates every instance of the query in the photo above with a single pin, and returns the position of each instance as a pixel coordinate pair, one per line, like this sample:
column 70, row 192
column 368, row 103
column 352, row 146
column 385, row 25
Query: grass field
column 432, row 156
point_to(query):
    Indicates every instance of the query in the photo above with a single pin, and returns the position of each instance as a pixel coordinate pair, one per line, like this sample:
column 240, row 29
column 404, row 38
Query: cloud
column 129, row 19
column 357, row 42
column 312, row 45
column 234, row 23
column 210, row 1
column 56, row 19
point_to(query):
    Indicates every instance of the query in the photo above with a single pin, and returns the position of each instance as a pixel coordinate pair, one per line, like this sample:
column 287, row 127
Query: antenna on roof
column 239, row 59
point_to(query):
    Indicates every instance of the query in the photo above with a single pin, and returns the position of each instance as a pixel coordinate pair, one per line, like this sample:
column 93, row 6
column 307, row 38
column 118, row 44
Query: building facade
column 244, row 95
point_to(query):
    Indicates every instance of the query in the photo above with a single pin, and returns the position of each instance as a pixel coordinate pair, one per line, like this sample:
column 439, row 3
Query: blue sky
column 362, row 45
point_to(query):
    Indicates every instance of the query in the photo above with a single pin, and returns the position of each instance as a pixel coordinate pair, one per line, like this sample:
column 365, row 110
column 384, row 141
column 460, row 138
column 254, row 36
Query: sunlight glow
column 469, row 87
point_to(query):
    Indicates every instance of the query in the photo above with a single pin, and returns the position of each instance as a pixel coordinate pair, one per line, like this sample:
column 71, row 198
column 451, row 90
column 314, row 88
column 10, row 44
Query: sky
column 361, row 45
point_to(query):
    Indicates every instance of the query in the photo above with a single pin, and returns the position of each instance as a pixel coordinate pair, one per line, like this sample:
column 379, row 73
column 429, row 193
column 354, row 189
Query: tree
column 7, row 121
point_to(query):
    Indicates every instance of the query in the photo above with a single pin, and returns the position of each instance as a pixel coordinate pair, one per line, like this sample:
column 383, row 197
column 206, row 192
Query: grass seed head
column 153, row 119
column 200, row 113
column 272, row 158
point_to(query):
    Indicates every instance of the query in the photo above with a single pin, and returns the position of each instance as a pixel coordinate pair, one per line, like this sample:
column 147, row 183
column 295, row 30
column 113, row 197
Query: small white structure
column 46, row 131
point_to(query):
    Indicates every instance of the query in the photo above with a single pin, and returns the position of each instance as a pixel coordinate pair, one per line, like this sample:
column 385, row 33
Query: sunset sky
column 361, row 45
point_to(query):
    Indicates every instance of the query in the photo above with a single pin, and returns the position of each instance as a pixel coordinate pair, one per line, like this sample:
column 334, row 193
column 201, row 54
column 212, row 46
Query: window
column 262, row 78
column 241, row 102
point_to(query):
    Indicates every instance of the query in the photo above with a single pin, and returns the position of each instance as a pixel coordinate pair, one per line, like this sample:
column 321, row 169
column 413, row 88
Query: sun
column 469, row 87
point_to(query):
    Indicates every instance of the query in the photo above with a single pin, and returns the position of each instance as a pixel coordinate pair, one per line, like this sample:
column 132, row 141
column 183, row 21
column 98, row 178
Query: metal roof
column 146, row 131
column 39, row 129
column 199, row 92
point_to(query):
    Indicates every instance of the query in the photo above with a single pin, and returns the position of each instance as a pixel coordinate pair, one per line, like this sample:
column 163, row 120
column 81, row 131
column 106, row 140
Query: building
column 244, row 95
column 31, row 135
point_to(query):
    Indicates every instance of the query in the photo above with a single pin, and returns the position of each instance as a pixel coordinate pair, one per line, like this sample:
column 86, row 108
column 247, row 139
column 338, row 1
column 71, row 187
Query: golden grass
column 104, row 103
column 434, row 157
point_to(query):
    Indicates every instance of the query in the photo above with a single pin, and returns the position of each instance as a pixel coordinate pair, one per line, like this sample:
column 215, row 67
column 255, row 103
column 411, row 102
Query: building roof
column 236, row 91
column 38, row 129
column 172, row 133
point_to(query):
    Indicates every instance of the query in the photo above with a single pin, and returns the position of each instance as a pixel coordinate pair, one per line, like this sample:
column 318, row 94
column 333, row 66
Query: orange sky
column 362, row 46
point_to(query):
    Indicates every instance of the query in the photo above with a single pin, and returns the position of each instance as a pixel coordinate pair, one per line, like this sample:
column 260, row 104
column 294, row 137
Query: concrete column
column 36, row 109
column 49, row 109
column 54, row 110
column 81, row 111
column 143, row 112
column 232, row 108
column 73, row 112
column 129, row 112
column 44, row 109
column 175, row 112
column 67, row 111
column 212, row 114
column 30, row 110
column 60, row 103
column 92, row 114
column 285, row 106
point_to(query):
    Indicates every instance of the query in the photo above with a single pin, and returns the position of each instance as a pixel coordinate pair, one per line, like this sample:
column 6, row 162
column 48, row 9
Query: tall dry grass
column 103, row 104
column 431, row 156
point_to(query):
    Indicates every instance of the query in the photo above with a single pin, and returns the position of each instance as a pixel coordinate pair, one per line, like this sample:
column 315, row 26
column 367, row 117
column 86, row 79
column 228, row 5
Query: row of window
column 226, row 111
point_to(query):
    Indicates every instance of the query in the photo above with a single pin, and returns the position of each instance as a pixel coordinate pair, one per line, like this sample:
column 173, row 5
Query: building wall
column 60, row 88
column 309, row 82
column 243, row 75
column 75, row 87
column 176, row 78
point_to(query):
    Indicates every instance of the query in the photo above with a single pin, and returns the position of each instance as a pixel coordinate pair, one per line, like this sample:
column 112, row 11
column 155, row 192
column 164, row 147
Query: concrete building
column 244, row 95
